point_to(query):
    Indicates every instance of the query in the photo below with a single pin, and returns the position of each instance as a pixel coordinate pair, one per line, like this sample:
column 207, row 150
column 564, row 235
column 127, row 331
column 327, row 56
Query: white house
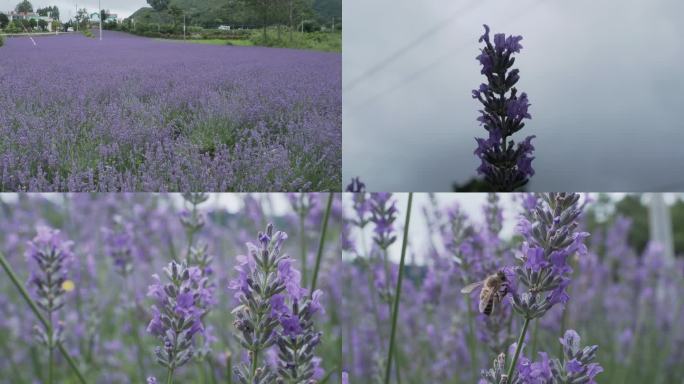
column 12, row 15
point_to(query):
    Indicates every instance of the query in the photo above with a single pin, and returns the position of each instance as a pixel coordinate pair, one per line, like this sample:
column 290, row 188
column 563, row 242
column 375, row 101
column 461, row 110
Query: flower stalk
column 397, row 295
column 505, row 166
column 321, row 243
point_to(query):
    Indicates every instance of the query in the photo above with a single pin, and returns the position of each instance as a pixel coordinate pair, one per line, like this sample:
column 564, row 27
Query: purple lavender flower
column 383, row 215
column 48, row 255
column 298, row 339
column 257, row 288
column 118, row 244
column 551, row 237
column 356, row 186
column 274, row 310
column 505, row 166
column 230, row 127
column 177, row 314
column 576, row 366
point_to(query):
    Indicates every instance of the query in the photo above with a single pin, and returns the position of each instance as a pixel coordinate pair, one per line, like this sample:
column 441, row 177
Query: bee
column 494, row 288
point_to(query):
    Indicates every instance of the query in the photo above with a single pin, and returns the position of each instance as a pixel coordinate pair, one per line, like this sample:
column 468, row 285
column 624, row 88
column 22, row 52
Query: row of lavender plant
column 132, row 289
column 136, row 114
column 568, row 293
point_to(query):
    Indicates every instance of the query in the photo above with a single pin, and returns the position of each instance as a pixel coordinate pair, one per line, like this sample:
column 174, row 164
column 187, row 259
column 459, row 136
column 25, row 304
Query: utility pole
column 660, row 226
column 99, row 5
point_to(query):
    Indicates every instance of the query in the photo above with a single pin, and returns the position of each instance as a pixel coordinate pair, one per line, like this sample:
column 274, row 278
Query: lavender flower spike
column 48, row 255
column 576, row 366
column 263, row 275
column 549, row 243
column 176, row 317
column 505, row 166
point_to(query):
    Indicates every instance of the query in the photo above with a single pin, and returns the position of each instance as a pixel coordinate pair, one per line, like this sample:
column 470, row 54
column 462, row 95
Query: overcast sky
column 604, row 79
column 123, row 8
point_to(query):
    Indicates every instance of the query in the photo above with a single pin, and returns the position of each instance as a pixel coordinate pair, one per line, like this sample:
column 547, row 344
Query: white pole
column 183, row 25
column 99, row 4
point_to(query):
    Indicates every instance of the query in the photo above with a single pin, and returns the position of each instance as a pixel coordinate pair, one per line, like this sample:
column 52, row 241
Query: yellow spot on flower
column 68, row 285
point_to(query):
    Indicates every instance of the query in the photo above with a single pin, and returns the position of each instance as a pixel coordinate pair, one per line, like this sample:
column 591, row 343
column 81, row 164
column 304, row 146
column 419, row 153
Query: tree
column 677, row 212
column 632, row 207
column 51, row 11
column 176, row 13
column 24, row 7
column 42, row 24
column 33, row 23
column 158, row 5
column 263, row 9
column 81, row 17
column 4, row 20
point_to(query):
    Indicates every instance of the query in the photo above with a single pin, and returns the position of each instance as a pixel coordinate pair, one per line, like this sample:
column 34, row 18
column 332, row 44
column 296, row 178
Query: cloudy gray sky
column 604, row 79
column 123, row 8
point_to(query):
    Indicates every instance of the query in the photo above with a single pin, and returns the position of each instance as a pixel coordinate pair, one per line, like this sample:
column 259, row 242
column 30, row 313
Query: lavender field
column 143, row 288
column 136, row 114
column 577, row 299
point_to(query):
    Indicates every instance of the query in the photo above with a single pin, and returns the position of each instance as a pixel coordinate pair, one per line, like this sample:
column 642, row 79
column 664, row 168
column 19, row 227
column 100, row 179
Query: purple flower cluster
column 356, row 186
column 383, row 215
column 274, row 310
column 627, row 301
column 138, row 114
column 118, row 245
column 551, row 237
column 505, row 166
column 49, row 255
column 177, row 314
column 576, row 366
column 104, row 315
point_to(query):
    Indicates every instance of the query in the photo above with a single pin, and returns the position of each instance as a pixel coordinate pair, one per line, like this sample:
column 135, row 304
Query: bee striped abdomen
column 490, row 305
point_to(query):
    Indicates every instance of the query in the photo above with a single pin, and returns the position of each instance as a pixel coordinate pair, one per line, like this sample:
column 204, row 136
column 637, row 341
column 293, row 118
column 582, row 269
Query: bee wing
column 471, row 287
column 486, row 296
column 496, row 300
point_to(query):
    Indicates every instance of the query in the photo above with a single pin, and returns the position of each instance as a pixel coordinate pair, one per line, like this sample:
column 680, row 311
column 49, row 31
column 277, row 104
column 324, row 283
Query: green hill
column 211, row 13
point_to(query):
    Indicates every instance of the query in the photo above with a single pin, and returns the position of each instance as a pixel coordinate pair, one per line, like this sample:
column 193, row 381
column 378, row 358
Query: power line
column 421, row 71
column 412, row 44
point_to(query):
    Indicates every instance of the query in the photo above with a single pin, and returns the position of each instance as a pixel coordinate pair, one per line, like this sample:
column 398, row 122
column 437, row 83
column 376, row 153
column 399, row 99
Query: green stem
column 134, row 329
column 229, row 368
column 255, row 364
column 212, row 370
column 518, row 347
column 41, row 318
column 535, row 332
column 321, row 243
column 397, row 295
column 302, row 239
column 328, row 375
column 51, row 360
column 472, row 344
column 191, row 231
column 169, row 377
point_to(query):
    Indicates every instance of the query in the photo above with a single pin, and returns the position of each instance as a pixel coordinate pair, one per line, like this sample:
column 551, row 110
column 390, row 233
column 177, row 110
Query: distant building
column 12, row 16
column 111, row 18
